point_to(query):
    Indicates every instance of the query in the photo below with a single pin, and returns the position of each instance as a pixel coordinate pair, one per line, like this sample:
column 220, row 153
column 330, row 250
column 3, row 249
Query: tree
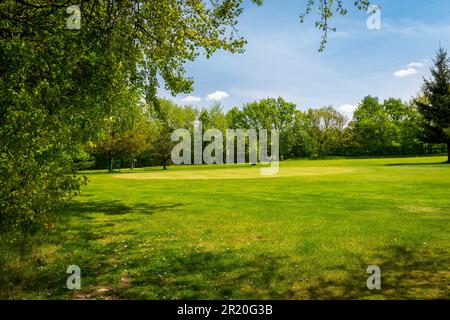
column 164, row 118
column 299, row 139
column 269, row 114
column 57, row 86
column 236, row 118
column 435, row 104
column 374, row 132
column 160, row 144
column 325, row 128
column 118, row 144
column 405, row 119
column 123, row 133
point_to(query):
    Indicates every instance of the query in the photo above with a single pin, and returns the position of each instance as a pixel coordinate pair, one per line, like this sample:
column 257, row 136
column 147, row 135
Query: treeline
column 141, row 135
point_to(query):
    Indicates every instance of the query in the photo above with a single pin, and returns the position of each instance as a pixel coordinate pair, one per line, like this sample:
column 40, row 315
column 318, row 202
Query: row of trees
column 390, row 127
column 141, row 132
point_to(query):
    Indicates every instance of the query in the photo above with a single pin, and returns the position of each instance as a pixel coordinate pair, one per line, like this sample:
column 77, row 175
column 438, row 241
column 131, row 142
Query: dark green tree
column 435, row 103
column 373, row 130
column 405, row 118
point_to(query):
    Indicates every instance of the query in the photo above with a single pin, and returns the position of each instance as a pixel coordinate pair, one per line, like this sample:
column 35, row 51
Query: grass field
column 226, row 232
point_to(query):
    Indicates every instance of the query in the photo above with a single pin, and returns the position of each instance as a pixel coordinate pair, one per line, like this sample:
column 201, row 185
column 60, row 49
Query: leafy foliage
column 162, row 122
column 60, row 87
column 326, row 10
column 391, row 127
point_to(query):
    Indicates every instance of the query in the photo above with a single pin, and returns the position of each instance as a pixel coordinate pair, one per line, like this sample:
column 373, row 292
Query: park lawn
column 309, row 233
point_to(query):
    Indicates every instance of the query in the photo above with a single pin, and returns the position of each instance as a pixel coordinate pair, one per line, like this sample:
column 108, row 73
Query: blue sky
column 281, row 57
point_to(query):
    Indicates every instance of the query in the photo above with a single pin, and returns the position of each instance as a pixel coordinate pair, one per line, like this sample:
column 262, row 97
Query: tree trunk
column 110, row 165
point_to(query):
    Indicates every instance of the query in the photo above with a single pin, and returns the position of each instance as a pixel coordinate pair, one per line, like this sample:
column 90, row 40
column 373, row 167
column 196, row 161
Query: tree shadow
column 412, row 274
column 211, row 275
column 115, row 207
column 417, row 164
column 227, row 274
column 405, row 274
column 82, row 244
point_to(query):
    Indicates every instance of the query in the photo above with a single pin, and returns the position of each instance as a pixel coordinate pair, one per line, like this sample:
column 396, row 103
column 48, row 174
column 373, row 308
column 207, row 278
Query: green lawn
column 309, row 233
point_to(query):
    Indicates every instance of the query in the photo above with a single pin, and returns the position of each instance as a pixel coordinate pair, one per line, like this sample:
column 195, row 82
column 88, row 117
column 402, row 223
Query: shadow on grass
column 214, row 275
column 417, row 164
column 42, row 274
column 194, row 275
column 115, row 207
column 165, row 274
column 405, row 274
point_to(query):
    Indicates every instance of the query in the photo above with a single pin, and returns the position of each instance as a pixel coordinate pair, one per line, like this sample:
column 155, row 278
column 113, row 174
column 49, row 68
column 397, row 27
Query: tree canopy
column 59, row 87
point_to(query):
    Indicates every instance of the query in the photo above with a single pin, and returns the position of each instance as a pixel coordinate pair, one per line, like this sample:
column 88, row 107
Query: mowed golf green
column 204, row 232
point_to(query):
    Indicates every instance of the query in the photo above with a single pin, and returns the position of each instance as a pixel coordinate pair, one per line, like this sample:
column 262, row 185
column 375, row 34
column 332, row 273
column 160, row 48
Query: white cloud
column 415, row 65
column 405, row 72
column 190, row 99
column 411, row 70
column 217, row 96
column 347, row 109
